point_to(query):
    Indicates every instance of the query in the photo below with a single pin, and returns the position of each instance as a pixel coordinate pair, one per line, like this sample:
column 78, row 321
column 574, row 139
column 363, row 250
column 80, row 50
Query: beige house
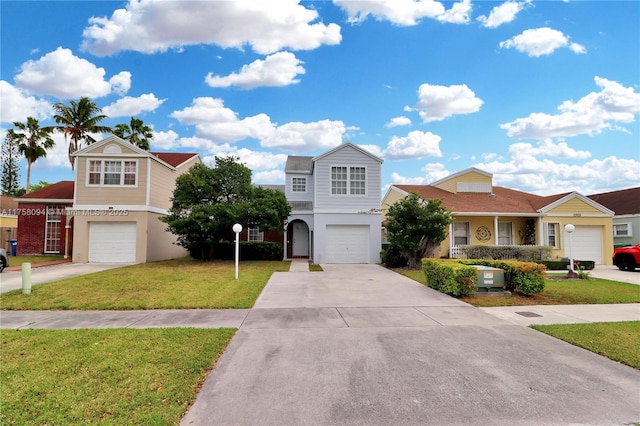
column 485, row 214
column 121, row 191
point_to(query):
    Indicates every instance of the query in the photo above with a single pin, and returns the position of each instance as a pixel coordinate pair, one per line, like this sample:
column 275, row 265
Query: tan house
column 121, row 192
column 485, row 214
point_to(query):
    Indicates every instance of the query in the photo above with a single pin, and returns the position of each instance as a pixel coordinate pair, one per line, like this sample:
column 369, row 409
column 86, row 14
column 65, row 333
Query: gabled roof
column 461, row 173
column 174, row 158
column 579, row 196
column 57, row 192
column 298, row 164
column 503, row 200
column 349, row 144
column 624, row 201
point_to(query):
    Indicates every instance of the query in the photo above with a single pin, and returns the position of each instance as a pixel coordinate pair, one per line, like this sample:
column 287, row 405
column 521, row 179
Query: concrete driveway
column 12, row 280
column 613, row 273
column 361, row 345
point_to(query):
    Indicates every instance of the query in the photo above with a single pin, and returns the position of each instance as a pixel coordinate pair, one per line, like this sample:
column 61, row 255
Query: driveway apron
column 361, row 345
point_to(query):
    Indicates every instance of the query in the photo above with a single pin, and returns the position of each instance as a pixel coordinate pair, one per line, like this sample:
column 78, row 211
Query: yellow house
column 485, row 214
column 8, row 220
column 121, row 191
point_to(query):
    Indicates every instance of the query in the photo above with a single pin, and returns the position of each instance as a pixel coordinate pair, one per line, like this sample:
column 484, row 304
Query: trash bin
column 489, row 279
column 14, row 247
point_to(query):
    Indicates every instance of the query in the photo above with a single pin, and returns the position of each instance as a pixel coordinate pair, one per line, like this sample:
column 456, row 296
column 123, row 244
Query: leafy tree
column 78, row 121
column 416, row 228
column 208, row 201
column 41, row 184
column 33, row 142
column 135, row 132
column 10, row 157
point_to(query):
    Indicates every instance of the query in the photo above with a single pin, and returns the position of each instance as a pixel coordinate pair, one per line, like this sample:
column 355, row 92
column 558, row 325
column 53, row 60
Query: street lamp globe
column 569, row 228
column 237, row 228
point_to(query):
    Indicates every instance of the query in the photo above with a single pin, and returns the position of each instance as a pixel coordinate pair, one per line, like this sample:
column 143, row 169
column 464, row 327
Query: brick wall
column 31, row 228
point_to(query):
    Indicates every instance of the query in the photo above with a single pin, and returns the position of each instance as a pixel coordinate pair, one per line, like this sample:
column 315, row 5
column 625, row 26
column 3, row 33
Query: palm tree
column 136, row 132
column 77, row 121
column 32, row 141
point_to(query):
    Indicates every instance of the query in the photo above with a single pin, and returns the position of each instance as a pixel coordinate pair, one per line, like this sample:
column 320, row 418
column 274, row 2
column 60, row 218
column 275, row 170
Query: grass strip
column 174, row 284
column 117, row 376
column 618, row 341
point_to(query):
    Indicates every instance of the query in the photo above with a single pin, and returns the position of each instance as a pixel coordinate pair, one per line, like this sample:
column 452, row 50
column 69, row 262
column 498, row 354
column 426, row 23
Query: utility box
column 489, row 279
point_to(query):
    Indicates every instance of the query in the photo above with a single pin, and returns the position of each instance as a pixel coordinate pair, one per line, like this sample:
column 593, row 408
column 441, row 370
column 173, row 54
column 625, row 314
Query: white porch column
column 495, row 231
column 450, row 238
column 540, row 233
column 286, row 244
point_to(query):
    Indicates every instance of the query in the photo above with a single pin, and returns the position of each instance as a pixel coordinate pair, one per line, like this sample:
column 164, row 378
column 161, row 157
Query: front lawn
column 33, row 259
column 615, row 340
column 116, row 376
column 174, row 284
column 556, row 292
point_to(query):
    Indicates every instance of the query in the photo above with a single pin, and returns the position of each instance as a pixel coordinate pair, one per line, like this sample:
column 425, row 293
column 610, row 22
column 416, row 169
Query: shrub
column 522, row 277
column 528, row 284
column 563, row 265
column 522, row 253
column 392, row 258
column 249, row 250
column 449, row 278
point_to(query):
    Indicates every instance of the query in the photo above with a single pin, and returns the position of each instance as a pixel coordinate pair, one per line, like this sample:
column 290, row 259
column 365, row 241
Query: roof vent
column 492, row 195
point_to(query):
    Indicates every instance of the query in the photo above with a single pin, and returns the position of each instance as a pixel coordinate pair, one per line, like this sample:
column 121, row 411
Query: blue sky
column 543, row 94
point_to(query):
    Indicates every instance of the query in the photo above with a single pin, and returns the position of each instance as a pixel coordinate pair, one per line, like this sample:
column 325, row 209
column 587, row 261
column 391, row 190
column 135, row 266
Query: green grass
column 116, row 376
column 556, row 292
column 20, row 259
column 314, row 267
column 618, row 341
column 175, row 284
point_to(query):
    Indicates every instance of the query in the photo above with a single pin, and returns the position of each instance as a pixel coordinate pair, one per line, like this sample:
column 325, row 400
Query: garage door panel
column 112, row 242
column 585, row 243
column 347, row 244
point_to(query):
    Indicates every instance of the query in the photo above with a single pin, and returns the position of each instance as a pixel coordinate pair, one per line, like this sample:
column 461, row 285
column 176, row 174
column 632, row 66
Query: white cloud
column 373, row 149
column 62, row 74
column 416, row 144
column 130, row 106
column 279, row 69
column 269, row 176
column 398, row 179
column 399, row 121
column 433, row 172
column 503, row 14
column 15, row 105
column 164, row 140
column 299, row 137
column 589, row 115
column 439, row 102
column 155, row 25
column 577, row 48
column 540, row 41
column 252, row 159
column 404, row 12
column 546, row 148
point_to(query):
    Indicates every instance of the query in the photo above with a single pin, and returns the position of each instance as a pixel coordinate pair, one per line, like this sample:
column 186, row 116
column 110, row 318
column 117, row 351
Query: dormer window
column 299, row 184
column 112, row 173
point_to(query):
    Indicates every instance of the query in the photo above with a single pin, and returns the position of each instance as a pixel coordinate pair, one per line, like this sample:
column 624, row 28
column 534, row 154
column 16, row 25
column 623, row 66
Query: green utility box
column 489, row 279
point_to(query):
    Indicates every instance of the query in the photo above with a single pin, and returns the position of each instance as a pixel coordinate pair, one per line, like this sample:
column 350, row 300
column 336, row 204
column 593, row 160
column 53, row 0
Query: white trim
column 501, row 214
column 118, row 207
column 46, row 228
column 148, row 191
column 306, row 186
column 45, row 200
column 629, row 229
column 103, row 172
column 358, row 212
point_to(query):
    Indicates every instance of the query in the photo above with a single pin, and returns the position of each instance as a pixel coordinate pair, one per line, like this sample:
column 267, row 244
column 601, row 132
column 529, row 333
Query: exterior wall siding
column 110, row 195
column 634, row 239
column 605, row 223
column 163, row 182
column 299, row 196
column 161, row 245
column 346, row 157
column 574, row 206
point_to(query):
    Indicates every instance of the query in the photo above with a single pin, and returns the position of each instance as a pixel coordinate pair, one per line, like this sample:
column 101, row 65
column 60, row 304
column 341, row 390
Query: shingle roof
column 299, row 164
column 503, row 200
column 280, row 188
column 624, row 201
column 62, row 190
column 173, row 158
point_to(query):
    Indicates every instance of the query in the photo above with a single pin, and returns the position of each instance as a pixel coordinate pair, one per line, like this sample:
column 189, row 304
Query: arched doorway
column 297, row 239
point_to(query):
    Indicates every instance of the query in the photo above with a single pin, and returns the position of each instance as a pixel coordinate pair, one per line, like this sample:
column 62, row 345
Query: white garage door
column 585, row 243
column 112, row 242
column 347, row 244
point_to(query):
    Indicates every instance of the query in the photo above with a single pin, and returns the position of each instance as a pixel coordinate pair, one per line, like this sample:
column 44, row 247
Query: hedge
column 522, row 253
column 249, row 250
column 563, row 265
column 525, row 278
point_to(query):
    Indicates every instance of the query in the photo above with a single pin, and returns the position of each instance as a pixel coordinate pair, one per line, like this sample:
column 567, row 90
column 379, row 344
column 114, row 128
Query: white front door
column 300, row 239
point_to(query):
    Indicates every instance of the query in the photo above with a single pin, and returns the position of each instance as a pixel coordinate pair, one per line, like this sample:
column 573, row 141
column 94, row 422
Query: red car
column 627, row 258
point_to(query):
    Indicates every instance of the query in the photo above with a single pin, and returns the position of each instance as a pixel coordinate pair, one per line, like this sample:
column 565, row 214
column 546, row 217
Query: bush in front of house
column 454, row 279
column 563, row 265
column 522, row 277
column 392, row 258
column 522, row 253
column 249, row 250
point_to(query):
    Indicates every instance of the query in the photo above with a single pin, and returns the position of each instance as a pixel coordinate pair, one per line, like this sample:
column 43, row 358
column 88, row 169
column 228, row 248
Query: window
column 113, row 172
column 622, row 230
column 552, row 237
column 299, row 184
column 348, row 180
column 255, row 234
column 460, row 233
column 504, row 233
column 52, row 230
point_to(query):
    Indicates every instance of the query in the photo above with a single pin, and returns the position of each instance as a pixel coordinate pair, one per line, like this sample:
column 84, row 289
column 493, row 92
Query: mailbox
column 489, row 279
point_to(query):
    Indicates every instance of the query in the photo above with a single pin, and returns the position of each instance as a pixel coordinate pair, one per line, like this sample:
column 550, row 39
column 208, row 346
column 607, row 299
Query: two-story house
column 121, row 191
column 335, row 206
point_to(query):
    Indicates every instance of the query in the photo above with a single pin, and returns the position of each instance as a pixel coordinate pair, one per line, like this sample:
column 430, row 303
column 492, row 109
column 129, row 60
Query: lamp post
column 237, row 228
column 569, row 228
